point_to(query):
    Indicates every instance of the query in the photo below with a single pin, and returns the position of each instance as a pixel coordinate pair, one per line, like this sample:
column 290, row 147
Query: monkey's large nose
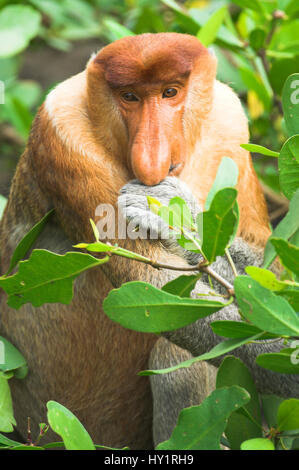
column 150, row 160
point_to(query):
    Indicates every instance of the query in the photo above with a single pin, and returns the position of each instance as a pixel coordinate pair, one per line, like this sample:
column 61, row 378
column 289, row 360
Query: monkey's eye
column 129, row 96
column 169, row 93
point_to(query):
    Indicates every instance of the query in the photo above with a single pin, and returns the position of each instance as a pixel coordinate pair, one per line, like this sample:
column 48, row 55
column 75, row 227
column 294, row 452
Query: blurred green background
column 42, row 42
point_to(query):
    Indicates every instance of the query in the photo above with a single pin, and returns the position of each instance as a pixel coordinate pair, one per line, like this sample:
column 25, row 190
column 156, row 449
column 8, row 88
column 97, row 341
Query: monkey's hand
column 134, row 206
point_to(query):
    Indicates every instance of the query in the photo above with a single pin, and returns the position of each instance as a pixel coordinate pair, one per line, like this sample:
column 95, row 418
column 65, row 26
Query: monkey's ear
column 200, row 94
column 103, row 111
column 97, row 87
column 91, row 58
column 203, row 74
column 99, row 93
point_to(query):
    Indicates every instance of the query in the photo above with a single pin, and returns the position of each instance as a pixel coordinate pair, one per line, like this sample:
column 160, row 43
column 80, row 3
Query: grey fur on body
column 172, row 392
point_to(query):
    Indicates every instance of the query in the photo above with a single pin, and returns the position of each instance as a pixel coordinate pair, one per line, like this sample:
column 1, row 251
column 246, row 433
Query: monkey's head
column 154, row 84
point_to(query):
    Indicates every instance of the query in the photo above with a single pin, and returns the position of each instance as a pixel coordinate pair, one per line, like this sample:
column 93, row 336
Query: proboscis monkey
column 146, row 107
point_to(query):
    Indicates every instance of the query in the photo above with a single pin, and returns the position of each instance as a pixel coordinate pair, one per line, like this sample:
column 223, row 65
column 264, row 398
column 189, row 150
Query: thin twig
column 29, row 436
column 201, row 267
column 231, row 262
column 158, row 265
column 228, row 286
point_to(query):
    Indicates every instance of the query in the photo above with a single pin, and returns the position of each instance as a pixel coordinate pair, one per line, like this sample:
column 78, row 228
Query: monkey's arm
column 187, row 387
column 172, row 391
column 198, row 338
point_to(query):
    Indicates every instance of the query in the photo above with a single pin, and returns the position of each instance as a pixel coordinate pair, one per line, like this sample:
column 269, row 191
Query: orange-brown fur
column 82, row 149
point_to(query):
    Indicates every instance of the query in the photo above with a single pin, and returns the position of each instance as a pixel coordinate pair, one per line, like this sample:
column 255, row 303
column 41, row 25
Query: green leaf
column 142, row 307
column 209, row 31
column 55, row 9
column 27, row 242
column 290, row 102
column 240, row 427
column 259, row 443
column 15, row 35
column 177, row 216
column 116, row 30
column 182, row 16
column 11, row 360
column 229, row 39
column 219, row 223
column 7, row 420
column 28, row 92
column 270, row 405
column 18, row 115
column 201, row 427
column 218, row 350
column 153, row 204
column 224, row 35
column 65, row 423
column 46, row 278
column 28, row 19
column 259, row 149
column 226, row 177
column 285, row 36
column 264, row 309
column 254, row 5
column 12, row 42
column 285, row 229
column 24, row 447
column 100, row 247
column 192, row 242
column 292, row 7
column 288, row 415
column 3, row 202
column 292, row 296
column 288, row 165
column 266, row 278
column 288, row 442
column 227, row 70
column 95, row 230
column 292, row 48
column 4, row 441
column 182, row 217
column 257, row 38
column 237, row 329
column 280, row 54
column 9, row 67
column 267, row 174
column 285, row 362
column 254, row 82
column 288, row 253
column 182, row 285
column 280, row 71
column 294, row 239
